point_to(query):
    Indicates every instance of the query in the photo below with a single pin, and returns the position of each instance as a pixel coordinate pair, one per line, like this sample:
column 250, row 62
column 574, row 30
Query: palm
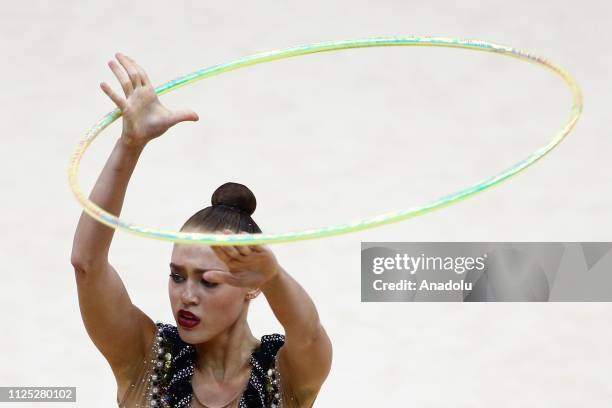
column 144, row 117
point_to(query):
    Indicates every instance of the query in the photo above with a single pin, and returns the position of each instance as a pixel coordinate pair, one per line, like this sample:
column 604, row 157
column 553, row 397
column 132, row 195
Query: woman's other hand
column 249, row 265
column 144, row 117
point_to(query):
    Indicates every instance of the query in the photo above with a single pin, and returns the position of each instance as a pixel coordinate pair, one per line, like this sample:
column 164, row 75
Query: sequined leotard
column 165, row 375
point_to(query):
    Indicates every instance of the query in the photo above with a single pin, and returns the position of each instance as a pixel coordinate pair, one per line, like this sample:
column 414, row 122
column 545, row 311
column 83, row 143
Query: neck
column 225, row 355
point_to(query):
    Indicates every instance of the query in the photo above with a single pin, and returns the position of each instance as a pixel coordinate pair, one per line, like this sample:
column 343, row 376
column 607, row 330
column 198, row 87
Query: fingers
column 234, row 252
column 119, row 101
column 218, row 250
column 131, row 69
column 237, row 252
column 221, row 277
column 131, row 76
column 144, row 78
column 124, row 80
column 251, row 248
column 247, row 249
column 243, row 250
column 181, row 116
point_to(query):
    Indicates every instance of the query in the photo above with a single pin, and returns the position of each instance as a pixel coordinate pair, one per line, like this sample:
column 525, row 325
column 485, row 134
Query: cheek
column 223, row 307
column 174, row 296
column 173, row 291
column 225, row 298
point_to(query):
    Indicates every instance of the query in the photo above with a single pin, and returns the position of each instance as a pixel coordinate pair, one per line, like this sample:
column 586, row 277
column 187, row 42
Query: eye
column 209, row 284
column 176, row 277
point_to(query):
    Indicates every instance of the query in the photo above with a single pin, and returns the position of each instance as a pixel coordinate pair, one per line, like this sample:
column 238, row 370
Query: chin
column 191, row 336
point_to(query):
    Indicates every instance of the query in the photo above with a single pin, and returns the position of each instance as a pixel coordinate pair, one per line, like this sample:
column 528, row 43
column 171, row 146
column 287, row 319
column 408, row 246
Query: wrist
column 129, row 143
column 274, row 279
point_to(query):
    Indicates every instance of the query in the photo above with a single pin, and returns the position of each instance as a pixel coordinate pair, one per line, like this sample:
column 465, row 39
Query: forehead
column 195, row 256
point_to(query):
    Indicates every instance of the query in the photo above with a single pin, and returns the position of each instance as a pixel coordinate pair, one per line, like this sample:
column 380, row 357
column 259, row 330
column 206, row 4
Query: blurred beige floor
column 320, row 139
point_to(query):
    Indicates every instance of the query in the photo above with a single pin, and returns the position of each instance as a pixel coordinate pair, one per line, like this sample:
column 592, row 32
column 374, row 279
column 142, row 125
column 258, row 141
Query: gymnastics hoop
column 360, row 224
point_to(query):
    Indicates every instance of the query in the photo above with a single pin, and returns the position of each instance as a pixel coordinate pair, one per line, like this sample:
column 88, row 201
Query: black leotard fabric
column 171, row 375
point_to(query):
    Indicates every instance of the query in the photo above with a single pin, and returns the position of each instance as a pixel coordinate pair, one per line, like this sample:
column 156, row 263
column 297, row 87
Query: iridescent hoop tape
column 356, row 225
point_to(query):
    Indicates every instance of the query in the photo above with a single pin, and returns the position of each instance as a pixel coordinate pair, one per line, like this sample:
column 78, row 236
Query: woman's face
column 217, row 305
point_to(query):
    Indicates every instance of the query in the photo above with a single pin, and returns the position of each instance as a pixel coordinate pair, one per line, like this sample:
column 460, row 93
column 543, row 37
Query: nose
column 189, row 295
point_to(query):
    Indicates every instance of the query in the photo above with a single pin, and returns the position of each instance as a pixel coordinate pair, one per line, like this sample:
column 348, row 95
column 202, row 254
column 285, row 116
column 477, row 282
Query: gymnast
column 210, row 358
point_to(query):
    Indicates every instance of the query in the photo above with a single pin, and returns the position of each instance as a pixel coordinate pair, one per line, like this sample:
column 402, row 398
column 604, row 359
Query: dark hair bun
column 235, row 195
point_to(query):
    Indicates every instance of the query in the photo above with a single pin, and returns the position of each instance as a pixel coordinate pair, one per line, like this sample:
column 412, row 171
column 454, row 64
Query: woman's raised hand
column 144, row 117
column 249, row 265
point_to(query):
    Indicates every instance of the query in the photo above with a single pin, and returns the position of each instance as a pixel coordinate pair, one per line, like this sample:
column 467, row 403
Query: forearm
column 292, row 306
column 92, row 239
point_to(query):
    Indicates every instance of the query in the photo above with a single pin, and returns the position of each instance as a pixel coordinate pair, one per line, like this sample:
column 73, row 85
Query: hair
column 232, row 207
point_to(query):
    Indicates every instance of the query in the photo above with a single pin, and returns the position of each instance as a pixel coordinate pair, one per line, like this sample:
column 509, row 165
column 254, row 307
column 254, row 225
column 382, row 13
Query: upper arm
column 119, row 329
column 304, row 365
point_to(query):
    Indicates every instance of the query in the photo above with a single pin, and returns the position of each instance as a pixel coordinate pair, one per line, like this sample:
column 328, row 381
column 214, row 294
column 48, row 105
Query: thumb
column 220, row 277
column 181, row 116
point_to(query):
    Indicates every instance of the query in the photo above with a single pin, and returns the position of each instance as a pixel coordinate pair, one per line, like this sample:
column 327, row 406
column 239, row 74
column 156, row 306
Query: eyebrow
column 195, row 270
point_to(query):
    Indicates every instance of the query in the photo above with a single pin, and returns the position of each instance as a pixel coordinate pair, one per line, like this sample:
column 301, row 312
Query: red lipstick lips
column 187, row 319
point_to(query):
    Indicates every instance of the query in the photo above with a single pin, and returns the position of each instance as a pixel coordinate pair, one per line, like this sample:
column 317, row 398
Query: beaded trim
column 273, row 386
column 170, row 381
column 160, row 378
